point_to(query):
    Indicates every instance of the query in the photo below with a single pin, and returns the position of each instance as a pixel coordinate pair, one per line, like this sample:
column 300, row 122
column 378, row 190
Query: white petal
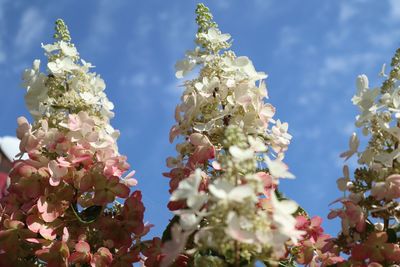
column 241, row 154
column 239, row 193
column 220, row 188
column 362, row 82
column 278, row 169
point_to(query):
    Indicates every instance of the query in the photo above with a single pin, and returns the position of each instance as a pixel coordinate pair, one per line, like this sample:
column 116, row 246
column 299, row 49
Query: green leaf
column 392, row 236
column 89, row 214
column 167, row 232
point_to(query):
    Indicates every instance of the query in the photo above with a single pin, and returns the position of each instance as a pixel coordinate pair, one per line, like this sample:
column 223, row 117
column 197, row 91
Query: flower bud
column 362, row 82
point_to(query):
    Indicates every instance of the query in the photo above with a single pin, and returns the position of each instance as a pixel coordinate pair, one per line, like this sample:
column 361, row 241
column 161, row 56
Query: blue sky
column 311, row 49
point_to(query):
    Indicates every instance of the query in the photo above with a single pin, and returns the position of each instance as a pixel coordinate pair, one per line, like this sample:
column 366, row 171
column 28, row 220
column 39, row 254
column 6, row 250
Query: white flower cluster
column 69, row 93
column 229, row 91
column 233, row 208
column 370, row 202
column 224, row 179
column 68, row 88
column 72, row 114
column 379, row 118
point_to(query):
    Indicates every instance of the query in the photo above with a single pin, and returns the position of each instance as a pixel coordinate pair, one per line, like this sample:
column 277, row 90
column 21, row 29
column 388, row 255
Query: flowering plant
column 69, row 203
column 224, row 180
column 370, row 212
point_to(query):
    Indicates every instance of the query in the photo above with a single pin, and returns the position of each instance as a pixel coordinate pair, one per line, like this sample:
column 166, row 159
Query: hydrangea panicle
column 69, row 203
column 370, row 212
column 223, row 182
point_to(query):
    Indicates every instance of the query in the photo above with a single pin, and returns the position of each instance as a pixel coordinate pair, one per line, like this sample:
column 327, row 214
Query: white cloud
column 177, row 34
column 140, row 79
column 102, row 24
column 336, row 64
column 314, row 190
column 394, row 9
column 348, row 128
column 309, row 99
column 345, row 63
column 223, row 4
column 311, row 133
column 289, row 37
column 346, row 11
column 384, row 39
column 339, row 162
column 2, row 8
column 262, row 9
column 140, row 86
column 3, row 54
column 262, row 4
column 143, row 27
column 339, row 37
column 31, row 28
column 179, row 28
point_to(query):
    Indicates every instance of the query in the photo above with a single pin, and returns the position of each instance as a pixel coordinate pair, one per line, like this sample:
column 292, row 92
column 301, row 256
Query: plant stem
column 237, row 254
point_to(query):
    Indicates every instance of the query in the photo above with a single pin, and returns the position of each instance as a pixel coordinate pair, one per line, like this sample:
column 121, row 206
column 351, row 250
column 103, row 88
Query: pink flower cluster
column 68, row 203
column 370, row 211
column 224, row 180
column 3, row 183
column 67, row 172
column 315, row 248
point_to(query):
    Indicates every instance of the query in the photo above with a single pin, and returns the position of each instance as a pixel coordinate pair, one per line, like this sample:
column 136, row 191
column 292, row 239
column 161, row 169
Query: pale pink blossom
column 175, row 246
column 204, row 150
column 389, row 189
column 57, row 171
column 236, row 231
column 354, row 142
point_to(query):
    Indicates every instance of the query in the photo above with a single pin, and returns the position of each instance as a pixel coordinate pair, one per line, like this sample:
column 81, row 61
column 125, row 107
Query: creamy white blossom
column 223, row 174
column 228, row 192
column 278, row 169
column 214, row 36
column 189, row 189
column 353, row 147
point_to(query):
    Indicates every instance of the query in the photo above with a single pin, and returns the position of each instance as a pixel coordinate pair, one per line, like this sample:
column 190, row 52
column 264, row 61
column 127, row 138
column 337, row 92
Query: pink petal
column 47, row 233
column 198, row 139
column 42, row 204
column 74, row 122
column 130, row 182
column 65, row 236
column 34, row 223
column 26, row 170
column 130, row 175
column 49, row 216
column 23, row 127
column 82, row 246
column 216, row 165
column 62, row 162
column 54, row 181
column 316, row 221
column 174, row 132
column 122, row 190
column 56, row 172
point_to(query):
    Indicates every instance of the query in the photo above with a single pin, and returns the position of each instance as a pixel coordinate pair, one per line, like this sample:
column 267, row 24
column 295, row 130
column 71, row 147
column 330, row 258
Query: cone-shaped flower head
column 370, row 212
column 229, row 161
column 61, row 206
